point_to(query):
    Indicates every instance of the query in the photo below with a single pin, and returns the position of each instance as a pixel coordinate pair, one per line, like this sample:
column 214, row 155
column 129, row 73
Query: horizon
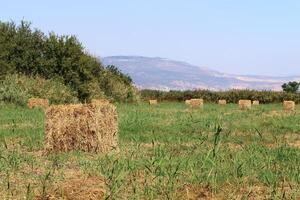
column 239, row 38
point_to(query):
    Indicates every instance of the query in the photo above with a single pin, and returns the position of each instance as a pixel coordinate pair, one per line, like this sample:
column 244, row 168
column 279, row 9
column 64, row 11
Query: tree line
column 28, row 51
column 232, row 96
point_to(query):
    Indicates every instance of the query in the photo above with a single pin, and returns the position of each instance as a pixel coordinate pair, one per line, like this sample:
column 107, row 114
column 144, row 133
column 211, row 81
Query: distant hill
column 166, row 74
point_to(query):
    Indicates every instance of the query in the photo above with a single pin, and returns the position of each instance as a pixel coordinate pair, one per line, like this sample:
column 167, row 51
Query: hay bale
column 153, row 102
column 85, row 127
column 187, row 102
column 196, row 103
column 289, row 105
column 255, row 103
column 37, row 103
column 222, row 102
column 99, row 101
column 245, row 104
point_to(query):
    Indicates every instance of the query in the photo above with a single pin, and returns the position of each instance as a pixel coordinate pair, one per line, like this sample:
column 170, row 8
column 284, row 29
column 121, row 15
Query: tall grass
column 167, row 152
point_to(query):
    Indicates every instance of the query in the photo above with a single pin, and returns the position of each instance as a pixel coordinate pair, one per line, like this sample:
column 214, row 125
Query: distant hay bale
column 153, row 102
column 289, row 105
column 196, row 103
column 245, row 104
column 85, row 127
column 99, row 101
column 187, row 102
column 255, row 103
column 37, row 103
column 222, row 102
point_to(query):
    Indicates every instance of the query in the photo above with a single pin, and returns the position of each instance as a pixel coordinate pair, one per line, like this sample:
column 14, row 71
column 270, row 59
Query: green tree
column 291, row 87
column 30, row 52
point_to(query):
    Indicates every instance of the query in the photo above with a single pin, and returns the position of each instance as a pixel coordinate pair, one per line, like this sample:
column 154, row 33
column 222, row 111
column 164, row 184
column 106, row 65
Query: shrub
column 28, row 51
column 17, row 89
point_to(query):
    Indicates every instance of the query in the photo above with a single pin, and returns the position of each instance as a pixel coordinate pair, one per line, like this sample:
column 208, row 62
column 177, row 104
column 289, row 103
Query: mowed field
column 167, row 151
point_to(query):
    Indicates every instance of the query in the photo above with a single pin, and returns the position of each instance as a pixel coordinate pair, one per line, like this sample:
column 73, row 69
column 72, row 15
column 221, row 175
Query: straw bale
column 187, row 102
column 222, row 102
column 36, row 102
column 196, row 103
column 289, row 105
column 255, row 103
column 85, row 127
column 245, row 104
column 153, row 102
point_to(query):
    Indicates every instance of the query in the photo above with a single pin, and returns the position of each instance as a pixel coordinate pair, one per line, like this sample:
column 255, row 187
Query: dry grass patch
column 85, row 127
column 78, row 187
column 273, row 113
column 36, row 102
column 195, row 192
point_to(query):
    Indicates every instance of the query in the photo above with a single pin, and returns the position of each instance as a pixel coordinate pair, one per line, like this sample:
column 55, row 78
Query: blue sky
column 233, row 36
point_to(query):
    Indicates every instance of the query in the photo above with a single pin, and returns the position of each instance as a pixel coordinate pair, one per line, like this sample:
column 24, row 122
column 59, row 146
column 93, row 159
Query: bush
column 28, row 51
column 17, row 89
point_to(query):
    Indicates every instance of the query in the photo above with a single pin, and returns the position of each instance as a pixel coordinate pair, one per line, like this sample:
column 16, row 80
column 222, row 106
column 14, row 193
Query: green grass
column 168, row 151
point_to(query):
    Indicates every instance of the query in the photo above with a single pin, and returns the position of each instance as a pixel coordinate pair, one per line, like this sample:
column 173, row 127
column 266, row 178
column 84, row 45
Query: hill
column 166, row 74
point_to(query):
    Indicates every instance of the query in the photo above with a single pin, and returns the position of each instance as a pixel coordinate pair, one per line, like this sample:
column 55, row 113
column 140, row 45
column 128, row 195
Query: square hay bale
column 187, row 102
column 153, row 102
column 289, row 105
column 85, row 127
column 37, row 103
column 99, row 101
column 222, row 102
column 245, row 104
column 196, row 103
column 255, row 103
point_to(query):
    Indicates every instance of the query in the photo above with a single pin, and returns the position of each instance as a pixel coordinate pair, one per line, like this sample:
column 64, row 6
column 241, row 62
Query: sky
column 256, row 37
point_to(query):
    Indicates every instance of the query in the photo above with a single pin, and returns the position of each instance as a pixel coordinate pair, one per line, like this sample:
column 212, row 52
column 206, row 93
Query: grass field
column 168, row 151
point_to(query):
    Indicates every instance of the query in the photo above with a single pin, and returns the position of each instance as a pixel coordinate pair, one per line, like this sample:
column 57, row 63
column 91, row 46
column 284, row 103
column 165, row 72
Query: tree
column 291, row 87
column 28, row 51
column 123, row 77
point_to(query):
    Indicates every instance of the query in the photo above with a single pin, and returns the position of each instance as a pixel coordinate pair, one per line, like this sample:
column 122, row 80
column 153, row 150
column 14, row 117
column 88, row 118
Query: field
column 168, row 151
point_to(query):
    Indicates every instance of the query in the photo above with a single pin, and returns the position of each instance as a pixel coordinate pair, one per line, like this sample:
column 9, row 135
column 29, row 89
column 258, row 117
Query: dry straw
column 196, row 103
column 153, row 102
column 245, row 104
column 85, row 127
column 289, row 105
column 222, row 102
column 187, row 102
column 37, row 103
column 255, row 103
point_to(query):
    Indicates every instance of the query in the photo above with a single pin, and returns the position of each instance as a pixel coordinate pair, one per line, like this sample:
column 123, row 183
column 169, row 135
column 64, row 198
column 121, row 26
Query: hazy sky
column 234, row 36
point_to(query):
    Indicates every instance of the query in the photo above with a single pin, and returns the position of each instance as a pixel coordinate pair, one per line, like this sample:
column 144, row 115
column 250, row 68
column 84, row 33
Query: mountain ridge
column 167, row 74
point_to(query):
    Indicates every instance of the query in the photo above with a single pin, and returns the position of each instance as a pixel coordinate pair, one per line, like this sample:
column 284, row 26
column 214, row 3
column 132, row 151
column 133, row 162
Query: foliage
column 232, row 96
column 17, row 89
column 28, row 51
column 291, row 87
column 115, row 83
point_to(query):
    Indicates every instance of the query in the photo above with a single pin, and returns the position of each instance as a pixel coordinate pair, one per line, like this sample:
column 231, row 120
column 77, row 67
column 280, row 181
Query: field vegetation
column 167, row 151
column 231, row 96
